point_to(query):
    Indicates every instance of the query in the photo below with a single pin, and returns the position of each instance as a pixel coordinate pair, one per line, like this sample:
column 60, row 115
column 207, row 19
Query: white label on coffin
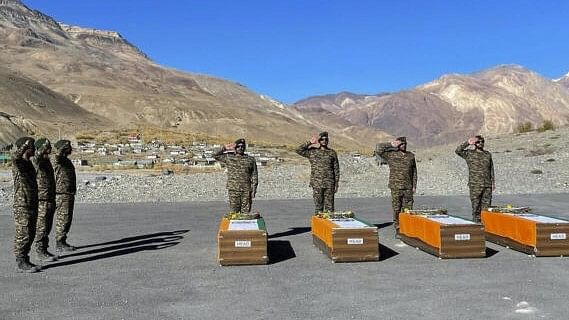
column 355, row 241
column 242, row 244
column 558, row 236
column 462, row 236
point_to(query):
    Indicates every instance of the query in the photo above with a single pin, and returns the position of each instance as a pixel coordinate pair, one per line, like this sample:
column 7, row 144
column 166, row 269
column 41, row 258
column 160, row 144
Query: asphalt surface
column 158, row 261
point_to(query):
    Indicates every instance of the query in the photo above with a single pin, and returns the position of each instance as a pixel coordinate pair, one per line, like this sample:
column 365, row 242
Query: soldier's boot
column 45, row 256
column 23, row 264
column 63, row 246
column 477, row 219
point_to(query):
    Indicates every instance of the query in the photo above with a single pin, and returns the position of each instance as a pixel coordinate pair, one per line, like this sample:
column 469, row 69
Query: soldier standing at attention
column 480, row 174
column 324, row 171
column 25, row 203
column 46, row 195
column 65, row 189
column 402, row 175
column 242, row 179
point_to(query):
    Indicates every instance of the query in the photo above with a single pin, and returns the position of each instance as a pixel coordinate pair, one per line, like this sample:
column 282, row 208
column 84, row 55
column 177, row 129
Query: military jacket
column 402, row 167
column 324, row 166
column 480, row 166
column 65, row 179
column 25, row 184
column 241, row 171
column 45, row 178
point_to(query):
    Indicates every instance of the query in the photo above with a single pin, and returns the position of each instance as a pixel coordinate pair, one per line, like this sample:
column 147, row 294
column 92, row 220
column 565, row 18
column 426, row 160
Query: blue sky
column 298, row 48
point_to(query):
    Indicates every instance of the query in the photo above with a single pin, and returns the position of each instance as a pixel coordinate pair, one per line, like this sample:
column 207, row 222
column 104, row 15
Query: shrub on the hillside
column 536, row 171
column 546, row 125
column 524, row 127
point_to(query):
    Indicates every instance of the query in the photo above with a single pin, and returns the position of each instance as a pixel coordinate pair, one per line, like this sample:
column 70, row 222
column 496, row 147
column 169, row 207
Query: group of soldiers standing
column 242, row 177
column 42, row 191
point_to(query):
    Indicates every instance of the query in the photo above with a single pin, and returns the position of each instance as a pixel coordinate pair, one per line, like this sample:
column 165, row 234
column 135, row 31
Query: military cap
column 24, row 142
column 323, row 134
column 62, row 144
column 402, row 139
column 240, row 141
column 480, row 138
column 42, row 144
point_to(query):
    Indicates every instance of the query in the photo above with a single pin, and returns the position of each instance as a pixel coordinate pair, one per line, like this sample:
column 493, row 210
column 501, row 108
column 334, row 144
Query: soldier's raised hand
column 472, row 140
column 229, row 146
column 395, row 143
column 314, row 139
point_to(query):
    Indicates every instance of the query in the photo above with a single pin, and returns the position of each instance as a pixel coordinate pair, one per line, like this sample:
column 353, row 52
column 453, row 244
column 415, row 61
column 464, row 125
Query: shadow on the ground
column 135, row 238
column 490, row 252
column 386, row 253
column 383, row 225
column 155, row 241
column 279, row 251
column 290, row 232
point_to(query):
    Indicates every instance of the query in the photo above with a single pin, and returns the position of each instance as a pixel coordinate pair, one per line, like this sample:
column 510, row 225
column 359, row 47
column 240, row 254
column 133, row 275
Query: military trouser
column 239, row 201
column 46, row 212
column 64, row 204
column 323, row 199
column 400, row 199
column 25, row 219
column 481, row 198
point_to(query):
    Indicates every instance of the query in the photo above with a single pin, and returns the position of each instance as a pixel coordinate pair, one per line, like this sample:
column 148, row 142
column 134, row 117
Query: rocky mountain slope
column 491, row 102
column 103, row 73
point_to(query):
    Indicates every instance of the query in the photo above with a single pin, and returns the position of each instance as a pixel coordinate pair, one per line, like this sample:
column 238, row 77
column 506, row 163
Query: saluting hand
column 229, row 146
column 472, row 140
column 395, row 143
column 314, row 139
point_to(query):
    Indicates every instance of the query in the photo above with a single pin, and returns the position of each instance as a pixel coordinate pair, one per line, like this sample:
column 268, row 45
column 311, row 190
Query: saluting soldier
column 324, row 171
column 242, row 179
column 480, row 174
column 65, row 189
column 25, row 203
column 402, row 175
column 46, row 195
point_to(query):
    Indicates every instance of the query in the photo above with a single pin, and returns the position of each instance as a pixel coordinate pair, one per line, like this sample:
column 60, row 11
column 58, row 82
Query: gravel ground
column 441, row 173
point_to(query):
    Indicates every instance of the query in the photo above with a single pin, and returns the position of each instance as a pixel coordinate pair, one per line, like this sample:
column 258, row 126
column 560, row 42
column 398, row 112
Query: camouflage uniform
column 242, row 179
column 480, row 177
column 324, row 175
column 25, row 203
column 65, row 189
column 402, row 177
column 46, row 195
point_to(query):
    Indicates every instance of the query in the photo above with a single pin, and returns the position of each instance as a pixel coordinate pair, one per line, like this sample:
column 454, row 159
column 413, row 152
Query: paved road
column 158, row 261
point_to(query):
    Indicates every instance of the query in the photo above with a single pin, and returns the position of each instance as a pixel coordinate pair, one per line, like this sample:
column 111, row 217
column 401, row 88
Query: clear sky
column 291, row 49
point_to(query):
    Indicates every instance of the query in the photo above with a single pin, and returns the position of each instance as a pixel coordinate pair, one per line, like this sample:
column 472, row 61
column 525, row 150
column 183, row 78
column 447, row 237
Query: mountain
column 492, row 102
column 104, row 74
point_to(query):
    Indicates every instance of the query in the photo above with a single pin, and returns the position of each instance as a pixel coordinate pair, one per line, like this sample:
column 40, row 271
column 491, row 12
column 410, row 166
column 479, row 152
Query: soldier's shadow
column 290, row 232
column 124, row 246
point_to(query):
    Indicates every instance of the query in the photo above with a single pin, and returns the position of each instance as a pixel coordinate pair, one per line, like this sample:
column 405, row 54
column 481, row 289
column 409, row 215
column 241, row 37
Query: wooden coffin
column 527, row 232
column 443, row 235
column 242, row 242
column 346, row 240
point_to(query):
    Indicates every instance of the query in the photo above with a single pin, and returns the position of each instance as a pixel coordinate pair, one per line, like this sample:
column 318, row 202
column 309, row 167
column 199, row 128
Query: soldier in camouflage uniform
column 242, row 179
column 65, row 189
column 402, row 175
column 324, row 171
column 480, row 174
column 25, row 203
column 46, row 195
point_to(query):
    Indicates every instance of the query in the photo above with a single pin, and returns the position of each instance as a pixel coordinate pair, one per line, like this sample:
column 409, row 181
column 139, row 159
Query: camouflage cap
column 24, row 142
column 323, row 134
column 479, row 138
column 42, row 144
column 402, row 139
column 240, row 141
column 62, row 144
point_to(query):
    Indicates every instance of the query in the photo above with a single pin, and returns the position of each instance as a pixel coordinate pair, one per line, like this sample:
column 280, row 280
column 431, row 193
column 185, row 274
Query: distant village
column 140, row 154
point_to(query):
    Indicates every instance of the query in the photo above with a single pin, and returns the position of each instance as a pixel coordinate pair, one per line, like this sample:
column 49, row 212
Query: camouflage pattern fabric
column 240, row 201
column 241, row 171
column 25, row 220
column 481, row 198
column 323, row 199
column 64, row 204
column 25, row 184
column 45, row 178
column 400, row 199
column 46, row 213
column 402, row 167
column 65, row 178
column 480, row 166
column 324, row 166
